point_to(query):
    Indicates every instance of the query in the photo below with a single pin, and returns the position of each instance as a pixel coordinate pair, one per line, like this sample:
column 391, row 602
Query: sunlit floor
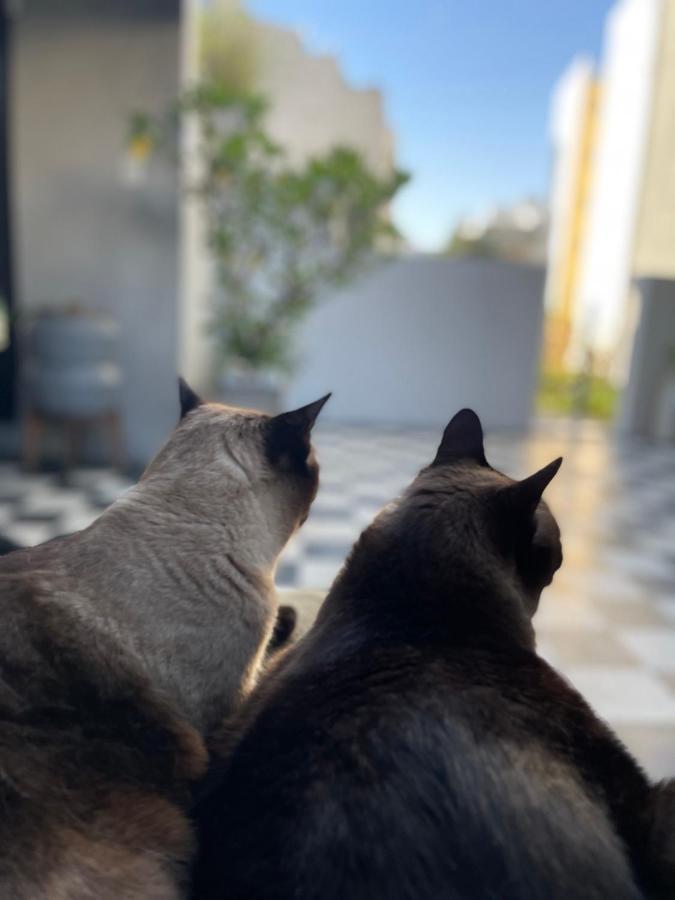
column 607, row 622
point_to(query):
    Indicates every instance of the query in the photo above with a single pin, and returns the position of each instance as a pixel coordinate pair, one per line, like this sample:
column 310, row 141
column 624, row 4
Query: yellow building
column 574, row 127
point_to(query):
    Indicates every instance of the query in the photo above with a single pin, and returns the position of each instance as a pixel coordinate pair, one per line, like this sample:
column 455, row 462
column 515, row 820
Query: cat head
column 463, row 529
column 514, row 526
column 232, row 466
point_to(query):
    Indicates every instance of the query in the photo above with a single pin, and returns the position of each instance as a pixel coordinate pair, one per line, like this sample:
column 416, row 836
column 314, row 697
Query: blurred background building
column 610, row 295
column 518, row 233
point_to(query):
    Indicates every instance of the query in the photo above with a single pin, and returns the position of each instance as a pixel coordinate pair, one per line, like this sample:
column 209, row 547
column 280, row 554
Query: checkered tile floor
column 607, row 622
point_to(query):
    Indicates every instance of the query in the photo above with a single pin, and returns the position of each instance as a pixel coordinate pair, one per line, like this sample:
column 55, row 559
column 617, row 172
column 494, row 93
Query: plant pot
column 252, row 390
column 71, row 371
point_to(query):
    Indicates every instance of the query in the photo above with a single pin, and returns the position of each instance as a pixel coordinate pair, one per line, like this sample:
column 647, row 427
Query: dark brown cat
column 123, row 644
column 413, row 746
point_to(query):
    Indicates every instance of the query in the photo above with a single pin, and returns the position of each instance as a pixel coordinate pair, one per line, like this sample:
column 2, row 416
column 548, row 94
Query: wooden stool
column 34, row 425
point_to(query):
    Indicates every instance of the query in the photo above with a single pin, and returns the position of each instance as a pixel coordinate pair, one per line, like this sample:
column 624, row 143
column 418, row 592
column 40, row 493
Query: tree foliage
column 279, row 235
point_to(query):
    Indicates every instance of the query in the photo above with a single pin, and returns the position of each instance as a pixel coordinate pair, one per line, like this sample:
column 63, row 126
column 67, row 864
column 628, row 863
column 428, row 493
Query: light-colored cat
column 123, row 645
column 180, row 570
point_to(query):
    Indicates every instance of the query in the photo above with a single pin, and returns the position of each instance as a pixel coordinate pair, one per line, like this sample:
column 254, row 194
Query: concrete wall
column 80, row 234
column 416, row 339
column 653, row 347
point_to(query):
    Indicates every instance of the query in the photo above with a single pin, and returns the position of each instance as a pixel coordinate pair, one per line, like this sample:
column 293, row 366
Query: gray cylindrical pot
column 72, row 369
column 69, row 339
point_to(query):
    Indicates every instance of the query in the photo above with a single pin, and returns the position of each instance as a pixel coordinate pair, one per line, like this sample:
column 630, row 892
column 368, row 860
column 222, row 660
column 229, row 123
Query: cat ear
column 462, row 439
column 303, row 419
column 189, row 400
column 524, row 496
column 531, row 533
column 289, row 433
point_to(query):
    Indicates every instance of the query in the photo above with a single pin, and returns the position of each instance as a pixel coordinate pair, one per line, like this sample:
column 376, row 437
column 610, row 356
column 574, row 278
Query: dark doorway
column 7, row 341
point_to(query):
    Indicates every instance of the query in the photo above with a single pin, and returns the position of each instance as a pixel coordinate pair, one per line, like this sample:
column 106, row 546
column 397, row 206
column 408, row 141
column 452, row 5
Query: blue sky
column 466, row 85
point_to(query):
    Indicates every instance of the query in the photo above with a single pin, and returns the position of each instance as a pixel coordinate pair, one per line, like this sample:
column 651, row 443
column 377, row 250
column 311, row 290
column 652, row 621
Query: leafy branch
column 278, row 235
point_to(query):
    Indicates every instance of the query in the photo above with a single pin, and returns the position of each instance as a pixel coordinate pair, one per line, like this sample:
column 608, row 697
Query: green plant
column 228, row 45
column 279, row 235
column 566, row 393
column 473, row 247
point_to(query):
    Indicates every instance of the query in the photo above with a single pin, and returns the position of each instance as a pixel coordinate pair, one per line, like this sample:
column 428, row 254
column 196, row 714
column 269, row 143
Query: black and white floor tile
column 608, row 620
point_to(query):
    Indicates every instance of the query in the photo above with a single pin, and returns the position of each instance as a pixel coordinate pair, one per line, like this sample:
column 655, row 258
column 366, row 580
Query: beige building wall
column 312, row 107
column 654, row 253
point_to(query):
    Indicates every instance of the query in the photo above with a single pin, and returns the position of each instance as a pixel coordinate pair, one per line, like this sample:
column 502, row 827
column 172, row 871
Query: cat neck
column 192, row 601
column 394, row 596
column 170, row 525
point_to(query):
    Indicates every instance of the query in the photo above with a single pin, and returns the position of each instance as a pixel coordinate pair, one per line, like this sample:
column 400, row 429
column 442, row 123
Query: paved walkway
column 608, row 620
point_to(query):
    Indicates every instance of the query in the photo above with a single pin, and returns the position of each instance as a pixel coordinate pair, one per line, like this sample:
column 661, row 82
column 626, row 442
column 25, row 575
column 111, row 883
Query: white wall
column 416, row 339
column 651, row 357
column 630, row 50
column 80, row 234
column 568, row 109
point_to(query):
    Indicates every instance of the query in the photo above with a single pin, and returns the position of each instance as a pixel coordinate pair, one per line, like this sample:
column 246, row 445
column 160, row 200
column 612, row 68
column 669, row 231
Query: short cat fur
column 122, row 645
column 413, row 745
